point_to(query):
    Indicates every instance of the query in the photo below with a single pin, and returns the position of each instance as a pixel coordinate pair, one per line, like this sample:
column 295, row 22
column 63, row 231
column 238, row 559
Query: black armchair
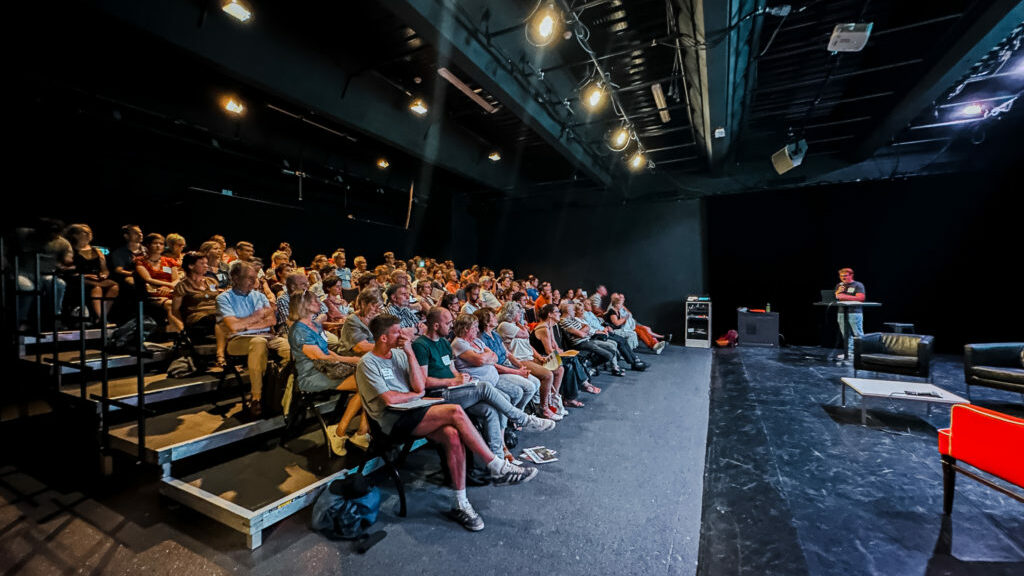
column 908, row 354
column 998, row 365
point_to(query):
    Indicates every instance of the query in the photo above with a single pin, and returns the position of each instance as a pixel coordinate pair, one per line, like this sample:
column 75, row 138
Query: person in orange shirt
column 544, row 298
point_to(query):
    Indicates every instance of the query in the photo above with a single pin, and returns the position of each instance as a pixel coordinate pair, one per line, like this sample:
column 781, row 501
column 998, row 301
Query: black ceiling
column 790, row 86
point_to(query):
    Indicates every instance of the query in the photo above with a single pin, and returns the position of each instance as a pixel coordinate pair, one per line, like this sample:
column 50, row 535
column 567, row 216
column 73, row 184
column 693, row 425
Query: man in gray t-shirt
column 390, row 375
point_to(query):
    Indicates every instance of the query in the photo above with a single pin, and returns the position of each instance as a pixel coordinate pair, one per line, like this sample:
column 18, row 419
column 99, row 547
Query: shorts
column 407, row 422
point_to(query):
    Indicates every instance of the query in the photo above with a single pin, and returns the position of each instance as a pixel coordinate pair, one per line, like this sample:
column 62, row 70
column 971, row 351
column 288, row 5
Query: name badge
column 387, row 373
column 446, row 360
column 168, row 269
column 851, row 290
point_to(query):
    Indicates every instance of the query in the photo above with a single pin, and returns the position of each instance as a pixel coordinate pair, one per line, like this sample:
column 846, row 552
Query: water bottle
column 768, row 307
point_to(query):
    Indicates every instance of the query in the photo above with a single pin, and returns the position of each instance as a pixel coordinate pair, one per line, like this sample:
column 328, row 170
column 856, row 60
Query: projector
column 849, row 37
column 789, row 157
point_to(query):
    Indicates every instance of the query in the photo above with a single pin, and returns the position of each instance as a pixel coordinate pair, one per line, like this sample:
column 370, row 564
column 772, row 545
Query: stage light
column 545, row 25
column 382, row 163
column 637, row 161
column 618, row 139
column 419, row 107
column 237, row 10
column 972, row 109
column 494, row 156
column 593, row 95
column 234, row 106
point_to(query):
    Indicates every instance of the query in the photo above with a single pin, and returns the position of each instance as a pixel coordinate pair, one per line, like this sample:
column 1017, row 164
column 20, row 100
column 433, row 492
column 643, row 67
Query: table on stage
column 843, row 307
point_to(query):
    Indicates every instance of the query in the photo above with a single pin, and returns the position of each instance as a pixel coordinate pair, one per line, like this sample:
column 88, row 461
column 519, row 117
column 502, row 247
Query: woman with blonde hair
column 317, row 368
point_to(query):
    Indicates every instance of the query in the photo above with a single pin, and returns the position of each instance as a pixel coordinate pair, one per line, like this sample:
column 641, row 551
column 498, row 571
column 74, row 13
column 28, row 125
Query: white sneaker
column 841, row 357
column 659, row 347
column 337, row 442
column 361, row 440
column 534, row 424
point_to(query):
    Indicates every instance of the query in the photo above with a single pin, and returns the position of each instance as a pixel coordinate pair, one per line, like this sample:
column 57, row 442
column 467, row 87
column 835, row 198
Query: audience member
column 91, row 266
column 337, row 308
column 310, row 350
column 600, row 331
column 54, row 254
column 122, row 259
column 174, row 248
column 517, row 341
column 579, row 335
column 545, row 339
column 623, row 323
column 398, row 305
column 249, row 319
column 391, row 375
column 356, row 338
column 194, row 302
column 473, row 303
column 479, row 398
column 342, row 271
column 216, row 268
column 158, row 274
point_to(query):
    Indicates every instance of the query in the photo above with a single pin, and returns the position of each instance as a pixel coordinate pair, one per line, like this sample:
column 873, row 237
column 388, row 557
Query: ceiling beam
column 258, row 57
column 452, row 27
column 987, row 29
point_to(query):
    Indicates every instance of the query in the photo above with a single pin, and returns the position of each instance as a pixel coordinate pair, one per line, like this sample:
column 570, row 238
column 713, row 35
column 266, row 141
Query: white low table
column 896, row 390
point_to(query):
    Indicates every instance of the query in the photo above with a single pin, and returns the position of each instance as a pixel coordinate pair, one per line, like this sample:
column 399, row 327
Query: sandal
column 573, row 403
column 592, row 389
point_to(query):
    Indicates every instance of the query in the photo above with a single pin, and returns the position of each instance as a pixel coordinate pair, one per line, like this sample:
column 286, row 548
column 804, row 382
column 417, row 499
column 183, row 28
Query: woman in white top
column 517, row 341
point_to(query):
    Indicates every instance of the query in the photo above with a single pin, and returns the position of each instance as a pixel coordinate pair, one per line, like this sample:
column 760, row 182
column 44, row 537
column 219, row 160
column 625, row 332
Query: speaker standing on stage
column 851, row 324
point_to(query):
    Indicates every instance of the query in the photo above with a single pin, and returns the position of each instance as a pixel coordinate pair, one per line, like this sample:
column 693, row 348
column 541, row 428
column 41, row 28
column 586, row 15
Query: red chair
column 990, row 441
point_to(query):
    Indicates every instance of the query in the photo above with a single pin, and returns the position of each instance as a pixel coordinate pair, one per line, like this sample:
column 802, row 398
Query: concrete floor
column 624, row 498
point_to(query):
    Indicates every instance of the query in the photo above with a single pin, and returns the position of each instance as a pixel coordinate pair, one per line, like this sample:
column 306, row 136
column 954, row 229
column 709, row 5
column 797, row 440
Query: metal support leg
column 842, row 386
column 948, row 484
column 254, row 539
column 863, row 412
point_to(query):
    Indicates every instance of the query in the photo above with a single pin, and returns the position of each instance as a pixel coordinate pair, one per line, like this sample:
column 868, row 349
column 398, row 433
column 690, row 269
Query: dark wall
column 939, row 252
column 653, row 253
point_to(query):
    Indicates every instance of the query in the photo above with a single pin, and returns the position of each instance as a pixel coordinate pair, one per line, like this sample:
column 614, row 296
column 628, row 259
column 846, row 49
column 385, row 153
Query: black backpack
column 126, row 337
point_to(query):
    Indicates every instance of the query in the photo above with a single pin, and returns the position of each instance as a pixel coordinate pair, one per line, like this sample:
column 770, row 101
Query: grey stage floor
column 625, row 498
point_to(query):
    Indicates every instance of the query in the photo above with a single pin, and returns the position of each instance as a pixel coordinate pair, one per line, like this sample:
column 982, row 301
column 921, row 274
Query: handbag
column 333, row 369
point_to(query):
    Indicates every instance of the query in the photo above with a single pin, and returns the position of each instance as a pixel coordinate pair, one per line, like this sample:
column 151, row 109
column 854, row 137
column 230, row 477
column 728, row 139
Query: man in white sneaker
column 390, row 374
column 481, row 399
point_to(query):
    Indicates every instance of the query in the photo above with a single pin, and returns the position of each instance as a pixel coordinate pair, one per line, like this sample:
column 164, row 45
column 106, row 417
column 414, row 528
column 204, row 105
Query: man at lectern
column 851, row 324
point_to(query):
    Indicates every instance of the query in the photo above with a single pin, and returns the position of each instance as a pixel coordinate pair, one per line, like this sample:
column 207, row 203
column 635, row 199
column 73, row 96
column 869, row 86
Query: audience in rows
column 493, row 347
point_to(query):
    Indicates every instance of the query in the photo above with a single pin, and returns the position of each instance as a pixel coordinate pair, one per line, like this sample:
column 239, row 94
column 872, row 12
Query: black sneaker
column 468, row 518
column 512, row 474
column 640, row 366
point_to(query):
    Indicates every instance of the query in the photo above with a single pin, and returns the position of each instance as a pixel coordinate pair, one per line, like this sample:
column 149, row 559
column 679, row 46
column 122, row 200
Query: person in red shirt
column 158, row 274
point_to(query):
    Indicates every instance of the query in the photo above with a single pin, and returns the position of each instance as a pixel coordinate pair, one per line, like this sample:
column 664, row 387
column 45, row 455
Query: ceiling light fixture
column 637, row 161
column 494, row 156
column 972, row 109
column 544, row 25
column 231, row 104
column 593, row 95
column 383, row 163
column 419, row 107
column 237, row 10
column 619, row 138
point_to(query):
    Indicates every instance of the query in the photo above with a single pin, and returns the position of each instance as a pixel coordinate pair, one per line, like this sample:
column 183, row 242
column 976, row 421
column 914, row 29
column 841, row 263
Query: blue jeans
column 519, row 390
column 26, row 303
column 492, row 406
column 852, row 327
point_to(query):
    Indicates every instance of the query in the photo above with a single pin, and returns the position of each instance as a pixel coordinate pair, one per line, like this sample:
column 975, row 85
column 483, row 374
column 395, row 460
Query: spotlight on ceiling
column 544, row 25
column 619, row 138
column 383, row 163
column 791, row 156
column 494, row 156
column 419, row 107
column 237, row 10
column 233, row 105
column 593, row 95
column 971, row 110
column 637, row 161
